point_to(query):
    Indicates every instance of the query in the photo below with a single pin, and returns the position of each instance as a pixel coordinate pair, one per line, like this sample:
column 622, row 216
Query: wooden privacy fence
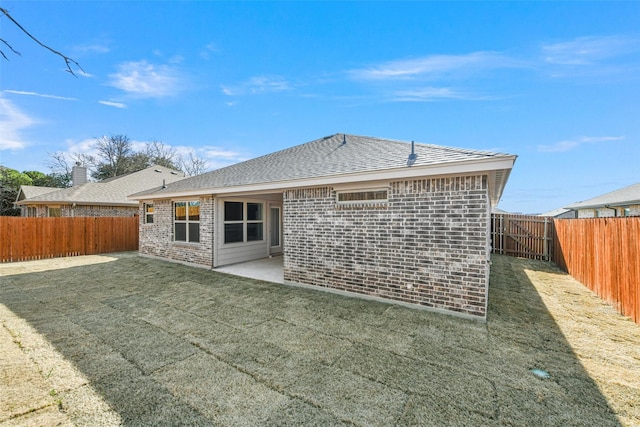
column 604, row 255
column 23, row 239
column 526, row 236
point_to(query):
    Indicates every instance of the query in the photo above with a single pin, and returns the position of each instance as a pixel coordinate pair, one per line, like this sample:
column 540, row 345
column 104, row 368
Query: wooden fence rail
column 604, row 255
column 23, row 239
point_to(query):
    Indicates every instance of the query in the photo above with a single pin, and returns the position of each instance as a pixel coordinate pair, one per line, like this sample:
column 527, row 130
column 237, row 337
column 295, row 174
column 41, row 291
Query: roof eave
column 603, row 205
column 502, row 163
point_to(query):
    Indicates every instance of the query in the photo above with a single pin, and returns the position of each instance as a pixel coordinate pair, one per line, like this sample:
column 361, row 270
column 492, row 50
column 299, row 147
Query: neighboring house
column 104, row 198
column 622, row 202
column 560, row 213
column 352, row 214
column 28, row 192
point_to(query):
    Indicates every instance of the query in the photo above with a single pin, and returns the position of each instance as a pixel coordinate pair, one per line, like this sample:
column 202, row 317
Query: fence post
column 545, row 249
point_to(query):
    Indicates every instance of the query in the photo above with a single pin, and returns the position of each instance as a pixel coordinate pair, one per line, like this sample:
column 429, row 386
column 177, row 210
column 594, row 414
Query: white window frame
column 245, row 221
column 147, row 214
column 186, row 221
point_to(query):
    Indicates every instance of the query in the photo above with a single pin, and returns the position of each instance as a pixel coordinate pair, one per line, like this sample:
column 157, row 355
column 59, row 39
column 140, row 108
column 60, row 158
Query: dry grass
column 118, row 339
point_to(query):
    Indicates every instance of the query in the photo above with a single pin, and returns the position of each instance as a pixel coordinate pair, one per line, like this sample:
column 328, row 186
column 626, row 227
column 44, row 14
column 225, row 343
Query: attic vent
column 174, row 173
column 344, row 139
column 158, row 170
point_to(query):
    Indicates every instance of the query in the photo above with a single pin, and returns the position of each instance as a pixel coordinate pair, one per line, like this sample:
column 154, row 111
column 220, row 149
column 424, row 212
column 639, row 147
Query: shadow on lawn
column 166, row 344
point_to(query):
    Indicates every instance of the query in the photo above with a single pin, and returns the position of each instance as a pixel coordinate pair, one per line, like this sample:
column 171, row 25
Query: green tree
column 52, row 180
column 10, row 182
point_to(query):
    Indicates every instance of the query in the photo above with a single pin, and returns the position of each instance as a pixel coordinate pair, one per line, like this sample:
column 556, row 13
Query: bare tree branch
column 193, row 165
column 6, row 43
column 67, row 60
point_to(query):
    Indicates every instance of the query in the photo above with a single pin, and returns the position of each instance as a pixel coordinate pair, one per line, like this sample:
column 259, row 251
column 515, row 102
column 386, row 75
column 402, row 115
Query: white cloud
column 113, row 104
column 567, row 145
column 258, row 85
column 589, row 50
column 85, row 146
column 145, row 80
column 91, row 48
column 41, row 95
column 427, row 94
column 208, row 49
column 12, row 122
column 433, row 66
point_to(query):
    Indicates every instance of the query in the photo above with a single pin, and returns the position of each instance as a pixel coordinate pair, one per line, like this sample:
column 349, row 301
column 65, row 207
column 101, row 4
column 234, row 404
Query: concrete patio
column 267, row 269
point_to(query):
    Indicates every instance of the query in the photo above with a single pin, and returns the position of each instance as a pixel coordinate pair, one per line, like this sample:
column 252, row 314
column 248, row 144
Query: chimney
column 78, row 174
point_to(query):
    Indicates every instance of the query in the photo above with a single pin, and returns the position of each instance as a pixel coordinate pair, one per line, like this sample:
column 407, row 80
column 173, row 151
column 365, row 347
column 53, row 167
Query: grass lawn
column 119, row 339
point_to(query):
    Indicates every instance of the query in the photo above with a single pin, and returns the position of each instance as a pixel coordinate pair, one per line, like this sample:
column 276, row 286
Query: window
column 243, row 222
column 29, row 211
column 148, row 213
column 186, row 222
column 366, row 196
column 55, row 212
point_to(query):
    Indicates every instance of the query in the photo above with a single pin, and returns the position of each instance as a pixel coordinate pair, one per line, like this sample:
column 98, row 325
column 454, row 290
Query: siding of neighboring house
column 633, row 210
column 156, row 239
column 426, row 245
column 80, row 210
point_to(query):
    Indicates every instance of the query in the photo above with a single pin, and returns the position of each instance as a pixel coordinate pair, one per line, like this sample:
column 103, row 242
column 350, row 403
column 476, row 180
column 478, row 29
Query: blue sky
column 558, row 84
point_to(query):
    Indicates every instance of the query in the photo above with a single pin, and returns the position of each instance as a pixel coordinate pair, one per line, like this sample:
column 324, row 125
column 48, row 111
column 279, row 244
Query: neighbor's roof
column 28, row 191
column 316, row 162
column 625, row 196
column 111, row 192
column 555, row 212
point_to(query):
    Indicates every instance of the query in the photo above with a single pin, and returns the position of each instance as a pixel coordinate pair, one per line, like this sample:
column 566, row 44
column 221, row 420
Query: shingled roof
column 29, row 191
column 337, row 155
column 625, row 196
column 111, row 192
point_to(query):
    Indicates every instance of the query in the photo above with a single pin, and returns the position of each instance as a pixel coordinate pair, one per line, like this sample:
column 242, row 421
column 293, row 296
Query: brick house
column 381, row 218
column 103, row 198
column 622, row 202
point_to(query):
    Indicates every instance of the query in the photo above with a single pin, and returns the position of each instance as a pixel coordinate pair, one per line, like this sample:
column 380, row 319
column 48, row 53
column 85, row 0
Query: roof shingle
column 622, row 196
column 110, row 192
column 324, row 157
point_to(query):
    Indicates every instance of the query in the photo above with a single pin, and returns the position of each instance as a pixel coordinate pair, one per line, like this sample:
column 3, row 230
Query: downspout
column 615, row 211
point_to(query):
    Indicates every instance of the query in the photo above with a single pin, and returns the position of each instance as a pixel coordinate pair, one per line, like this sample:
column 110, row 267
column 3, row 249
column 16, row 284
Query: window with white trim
column 148, row 213
column 243, row 222
column 54, row 211
column 186, row 221
column 362, row 196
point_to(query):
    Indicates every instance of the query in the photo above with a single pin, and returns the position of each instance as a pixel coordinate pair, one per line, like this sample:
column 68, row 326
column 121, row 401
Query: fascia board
column 457, row 168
